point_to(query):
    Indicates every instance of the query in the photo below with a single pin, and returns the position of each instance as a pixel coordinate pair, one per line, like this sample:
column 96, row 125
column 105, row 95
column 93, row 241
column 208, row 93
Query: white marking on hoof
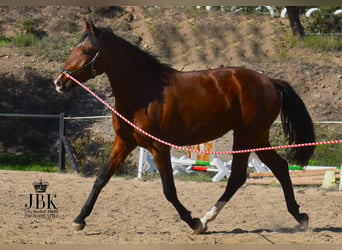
column 211, row 214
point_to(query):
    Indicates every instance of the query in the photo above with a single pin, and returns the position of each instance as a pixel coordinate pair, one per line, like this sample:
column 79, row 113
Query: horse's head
column 83, row 63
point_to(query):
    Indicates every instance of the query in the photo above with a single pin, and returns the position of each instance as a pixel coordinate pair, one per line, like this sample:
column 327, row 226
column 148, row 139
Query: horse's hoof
column 303, row 222
column 199, row 228
column 78, row 226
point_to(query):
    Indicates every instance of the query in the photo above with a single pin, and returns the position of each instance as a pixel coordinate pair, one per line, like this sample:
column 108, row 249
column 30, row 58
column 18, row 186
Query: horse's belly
column 194, row 129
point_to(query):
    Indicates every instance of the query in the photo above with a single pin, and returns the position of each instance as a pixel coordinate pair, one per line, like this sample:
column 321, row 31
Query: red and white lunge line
column 194, row 150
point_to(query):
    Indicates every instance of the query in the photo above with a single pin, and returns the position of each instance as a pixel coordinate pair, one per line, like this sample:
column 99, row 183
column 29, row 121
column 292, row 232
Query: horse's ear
column 95, row 31
column 86, row 24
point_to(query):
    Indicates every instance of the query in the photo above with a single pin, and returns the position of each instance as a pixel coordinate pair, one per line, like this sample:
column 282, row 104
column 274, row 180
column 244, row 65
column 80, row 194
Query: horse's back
column 207, row 104
column 230, row 89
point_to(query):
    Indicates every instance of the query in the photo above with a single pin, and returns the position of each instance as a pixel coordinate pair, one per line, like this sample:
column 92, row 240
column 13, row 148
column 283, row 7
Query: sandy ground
column 133, row 211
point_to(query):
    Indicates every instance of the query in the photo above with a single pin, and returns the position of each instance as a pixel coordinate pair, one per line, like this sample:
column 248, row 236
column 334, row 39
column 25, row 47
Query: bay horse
column 187, row 108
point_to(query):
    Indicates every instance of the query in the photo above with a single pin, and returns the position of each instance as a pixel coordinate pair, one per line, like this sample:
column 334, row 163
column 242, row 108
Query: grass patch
column 55, row 49
column 322, row 42
column 26, row 162
column 24, row 40
column 20, row 40
column 4, row 41
column 324, row 155
column 47, row 47
column 35, row 168
column 327, row 155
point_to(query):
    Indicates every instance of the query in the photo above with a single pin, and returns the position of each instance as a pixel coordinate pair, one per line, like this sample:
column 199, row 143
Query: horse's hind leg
column 119, row 153
column 280, row 170
column 236, row 180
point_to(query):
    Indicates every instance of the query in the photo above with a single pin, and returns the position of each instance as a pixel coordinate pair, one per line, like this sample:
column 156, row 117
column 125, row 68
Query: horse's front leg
column 163, row 161
column 119, row 153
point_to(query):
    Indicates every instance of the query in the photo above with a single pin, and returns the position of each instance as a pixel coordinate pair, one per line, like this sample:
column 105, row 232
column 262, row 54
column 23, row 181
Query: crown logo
column 40, row 187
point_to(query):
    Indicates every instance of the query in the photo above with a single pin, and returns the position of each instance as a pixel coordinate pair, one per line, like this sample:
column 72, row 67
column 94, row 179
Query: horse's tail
column 297, row 123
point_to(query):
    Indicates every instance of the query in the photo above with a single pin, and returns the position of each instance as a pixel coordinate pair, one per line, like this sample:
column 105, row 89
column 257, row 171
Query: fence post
column 68, row 149
column 61, row 146
column 340, row 188
column 142, row 160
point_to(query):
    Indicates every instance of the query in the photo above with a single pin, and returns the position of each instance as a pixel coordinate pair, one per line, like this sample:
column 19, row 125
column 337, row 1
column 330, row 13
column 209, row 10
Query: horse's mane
column 108, row 33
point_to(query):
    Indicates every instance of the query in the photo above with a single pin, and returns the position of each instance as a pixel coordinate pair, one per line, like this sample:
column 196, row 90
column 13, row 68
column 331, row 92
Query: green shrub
column 28, row 26
column 323, row 21
column 24, row 40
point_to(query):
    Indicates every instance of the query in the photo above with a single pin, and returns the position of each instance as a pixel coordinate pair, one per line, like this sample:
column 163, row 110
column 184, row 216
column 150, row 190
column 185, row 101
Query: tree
column 296, row 25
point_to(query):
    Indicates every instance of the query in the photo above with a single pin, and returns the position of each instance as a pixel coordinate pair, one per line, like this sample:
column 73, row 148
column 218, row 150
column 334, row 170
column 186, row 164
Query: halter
column 91, row 62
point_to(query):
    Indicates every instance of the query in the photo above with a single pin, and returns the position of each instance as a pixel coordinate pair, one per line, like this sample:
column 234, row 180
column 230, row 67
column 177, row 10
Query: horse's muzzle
column 61, row 83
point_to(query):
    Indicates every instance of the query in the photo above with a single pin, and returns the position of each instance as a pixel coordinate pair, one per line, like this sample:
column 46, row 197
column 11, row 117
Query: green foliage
column 316, row 42
column 4, row 41
column 28, row 26
column 24, row 40
column 36, row 168
column 26, row 162
column 48, row 47
column 324, row 155
column 324, row 21
column 322, row 43
column 327, row 155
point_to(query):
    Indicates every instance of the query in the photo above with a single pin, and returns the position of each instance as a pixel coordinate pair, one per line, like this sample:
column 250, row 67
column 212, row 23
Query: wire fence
column 64, row 147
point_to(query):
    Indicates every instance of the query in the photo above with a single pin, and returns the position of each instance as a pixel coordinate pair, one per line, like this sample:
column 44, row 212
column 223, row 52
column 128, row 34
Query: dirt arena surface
column 133, row 211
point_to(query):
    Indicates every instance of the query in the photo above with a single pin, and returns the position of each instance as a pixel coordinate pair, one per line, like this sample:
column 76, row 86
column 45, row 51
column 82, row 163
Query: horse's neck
column 135, row 83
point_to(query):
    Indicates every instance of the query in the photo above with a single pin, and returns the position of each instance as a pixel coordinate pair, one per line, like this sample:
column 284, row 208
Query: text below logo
column 41, row 204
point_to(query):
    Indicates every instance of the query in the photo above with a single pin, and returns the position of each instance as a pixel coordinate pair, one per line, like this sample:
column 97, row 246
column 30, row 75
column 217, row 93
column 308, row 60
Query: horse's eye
column 85, row 52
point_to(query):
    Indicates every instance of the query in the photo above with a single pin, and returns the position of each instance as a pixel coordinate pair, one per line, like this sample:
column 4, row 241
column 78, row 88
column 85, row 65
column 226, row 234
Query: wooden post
column 68, row 149
column 61, row 146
